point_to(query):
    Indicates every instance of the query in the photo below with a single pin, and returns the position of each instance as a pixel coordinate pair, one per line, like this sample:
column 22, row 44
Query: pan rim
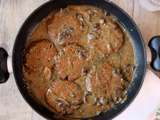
column 102, row 1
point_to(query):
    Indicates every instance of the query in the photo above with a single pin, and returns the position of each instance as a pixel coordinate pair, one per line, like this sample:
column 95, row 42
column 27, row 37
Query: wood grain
column 149, row 24
column 12, row 15
column 127, row 5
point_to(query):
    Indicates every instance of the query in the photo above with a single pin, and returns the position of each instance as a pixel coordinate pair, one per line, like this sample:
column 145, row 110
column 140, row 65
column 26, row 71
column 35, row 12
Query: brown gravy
column 78, row 62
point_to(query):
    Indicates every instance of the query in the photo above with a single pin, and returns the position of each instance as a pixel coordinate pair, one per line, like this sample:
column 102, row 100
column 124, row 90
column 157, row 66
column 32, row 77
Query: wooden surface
column 12, row 15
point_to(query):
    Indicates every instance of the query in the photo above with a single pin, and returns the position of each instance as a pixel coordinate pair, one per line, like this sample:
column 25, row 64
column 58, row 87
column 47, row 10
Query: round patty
column 70, row 62
column 64, row 96
column 64, row 28
column 106, row 82
column 108, row 38
column 40, row 55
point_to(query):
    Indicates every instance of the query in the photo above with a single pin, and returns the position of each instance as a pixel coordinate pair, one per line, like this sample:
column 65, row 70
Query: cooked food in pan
column 79, row 62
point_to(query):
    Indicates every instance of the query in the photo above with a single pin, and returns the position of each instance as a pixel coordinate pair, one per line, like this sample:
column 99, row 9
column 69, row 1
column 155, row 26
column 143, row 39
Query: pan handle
column 154, row 45
column 4, row 74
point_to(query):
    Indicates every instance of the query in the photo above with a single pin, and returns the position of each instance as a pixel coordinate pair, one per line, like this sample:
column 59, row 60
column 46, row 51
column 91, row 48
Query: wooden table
column 12, row 15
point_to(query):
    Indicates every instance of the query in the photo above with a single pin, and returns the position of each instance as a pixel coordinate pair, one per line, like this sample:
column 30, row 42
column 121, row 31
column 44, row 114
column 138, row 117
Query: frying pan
column 122, row 18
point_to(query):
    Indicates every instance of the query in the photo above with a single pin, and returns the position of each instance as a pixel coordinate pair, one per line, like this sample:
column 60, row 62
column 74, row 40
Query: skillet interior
column 42, row 12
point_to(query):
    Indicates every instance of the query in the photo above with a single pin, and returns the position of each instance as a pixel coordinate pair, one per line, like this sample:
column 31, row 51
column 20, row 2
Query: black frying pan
column 125, row 21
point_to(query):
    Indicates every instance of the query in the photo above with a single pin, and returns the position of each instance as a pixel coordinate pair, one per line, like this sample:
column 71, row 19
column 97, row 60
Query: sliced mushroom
column 96, row 27
column 102, row 21
column 81, row 20
column 64, row 96
column 88, row 83
column 91, row 36
column 47, row 73
column 64, row 34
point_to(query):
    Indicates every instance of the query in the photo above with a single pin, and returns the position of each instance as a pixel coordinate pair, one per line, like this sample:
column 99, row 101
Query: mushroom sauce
column 78, row 62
